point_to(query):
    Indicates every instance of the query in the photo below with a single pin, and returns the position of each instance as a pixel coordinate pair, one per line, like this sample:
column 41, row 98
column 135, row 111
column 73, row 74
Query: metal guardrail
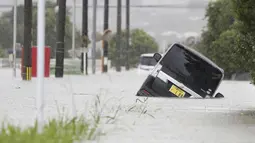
column 68, row 63
column 5, row 63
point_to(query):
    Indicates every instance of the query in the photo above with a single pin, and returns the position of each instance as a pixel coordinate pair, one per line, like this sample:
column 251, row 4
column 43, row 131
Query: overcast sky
column 184, row 18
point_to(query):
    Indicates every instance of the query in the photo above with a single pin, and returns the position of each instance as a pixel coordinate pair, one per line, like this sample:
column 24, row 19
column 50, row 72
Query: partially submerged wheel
column 219, row 95
column 138, row 94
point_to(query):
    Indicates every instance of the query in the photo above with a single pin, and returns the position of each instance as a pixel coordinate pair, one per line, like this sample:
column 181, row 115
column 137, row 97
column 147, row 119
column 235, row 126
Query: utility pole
column 94, row 25
column 73, row 30
column 127, row 33
column 26, row 68
column 14, row 36
column 104, row 42
column 40, row 63
column 84, row 54
column 118, row 38
column 59, row 72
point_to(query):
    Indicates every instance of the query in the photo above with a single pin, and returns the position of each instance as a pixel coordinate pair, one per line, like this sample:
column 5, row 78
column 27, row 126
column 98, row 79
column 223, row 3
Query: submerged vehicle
column 182, row 72
column 146, row 63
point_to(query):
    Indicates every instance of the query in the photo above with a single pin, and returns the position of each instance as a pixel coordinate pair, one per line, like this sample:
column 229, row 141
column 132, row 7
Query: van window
column 148, row 61
column 191, row 70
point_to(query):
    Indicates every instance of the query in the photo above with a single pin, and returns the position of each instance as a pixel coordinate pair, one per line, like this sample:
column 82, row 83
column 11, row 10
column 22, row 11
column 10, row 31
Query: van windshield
column 191, row 70
column 147, row 61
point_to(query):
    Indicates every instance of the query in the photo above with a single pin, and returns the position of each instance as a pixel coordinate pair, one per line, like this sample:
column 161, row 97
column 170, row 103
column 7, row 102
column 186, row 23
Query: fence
column 69, row 64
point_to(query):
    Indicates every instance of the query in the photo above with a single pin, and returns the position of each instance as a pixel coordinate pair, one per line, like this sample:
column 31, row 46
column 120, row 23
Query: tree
column 220, row 19
column 225, row 52
column 218, row 41
column 141, row 42
column 245, row 14
column 50, row 28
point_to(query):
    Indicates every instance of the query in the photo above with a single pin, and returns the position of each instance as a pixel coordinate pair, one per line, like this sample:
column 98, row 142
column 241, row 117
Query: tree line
column 229, row 36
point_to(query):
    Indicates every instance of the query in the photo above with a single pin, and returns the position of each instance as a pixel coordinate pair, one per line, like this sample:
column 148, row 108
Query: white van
column 182, row 72
column 146, row 63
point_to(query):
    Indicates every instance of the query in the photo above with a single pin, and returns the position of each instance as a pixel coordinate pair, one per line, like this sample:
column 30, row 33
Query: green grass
column 60, row 130
column 66, row 130
column 55, row 131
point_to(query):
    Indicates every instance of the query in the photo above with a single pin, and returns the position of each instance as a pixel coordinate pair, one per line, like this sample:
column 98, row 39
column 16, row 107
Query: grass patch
column 55, row 131
column 66, row 130
column 140, row 108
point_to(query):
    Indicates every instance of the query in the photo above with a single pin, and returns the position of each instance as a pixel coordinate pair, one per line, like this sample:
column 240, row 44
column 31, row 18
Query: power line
column 131, row 6
column 159, row 6
column 154, row 6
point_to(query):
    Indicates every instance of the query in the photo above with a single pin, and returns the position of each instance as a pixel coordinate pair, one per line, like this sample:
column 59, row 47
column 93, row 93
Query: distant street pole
column 14, row 36
column 118, row 38
column 73, row 30
column 40, row 63
column 26, row 68
column 59, row 72
column 73, row 51
column 84, row 54
column 94, row 25
column 127, row 33
column 104, row 42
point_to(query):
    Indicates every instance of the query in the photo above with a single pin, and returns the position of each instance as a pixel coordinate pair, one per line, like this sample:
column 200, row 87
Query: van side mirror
column 157, row 57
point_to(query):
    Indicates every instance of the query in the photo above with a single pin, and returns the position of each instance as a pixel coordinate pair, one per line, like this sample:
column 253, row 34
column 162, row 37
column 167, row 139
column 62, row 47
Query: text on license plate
column 177, row 91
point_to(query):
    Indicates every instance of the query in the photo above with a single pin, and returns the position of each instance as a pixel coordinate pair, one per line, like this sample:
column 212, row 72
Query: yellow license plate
column 177, row 91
